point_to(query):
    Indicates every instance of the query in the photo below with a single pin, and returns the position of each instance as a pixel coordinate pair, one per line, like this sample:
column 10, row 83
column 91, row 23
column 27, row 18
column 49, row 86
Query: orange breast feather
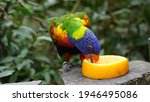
column 60, row 36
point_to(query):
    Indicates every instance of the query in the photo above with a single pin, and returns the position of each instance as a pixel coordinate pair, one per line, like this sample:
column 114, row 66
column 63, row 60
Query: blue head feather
column 88, row 39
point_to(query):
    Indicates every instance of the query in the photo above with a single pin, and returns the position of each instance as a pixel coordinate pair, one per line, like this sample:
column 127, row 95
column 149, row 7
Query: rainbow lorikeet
column 71, row 35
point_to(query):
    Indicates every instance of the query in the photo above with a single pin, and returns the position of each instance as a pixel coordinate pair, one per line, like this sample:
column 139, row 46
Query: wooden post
column 139, row 74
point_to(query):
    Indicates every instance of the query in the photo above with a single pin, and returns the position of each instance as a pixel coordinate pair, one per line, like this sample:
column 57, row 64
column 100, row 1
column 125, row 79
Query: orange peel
column 108, row 66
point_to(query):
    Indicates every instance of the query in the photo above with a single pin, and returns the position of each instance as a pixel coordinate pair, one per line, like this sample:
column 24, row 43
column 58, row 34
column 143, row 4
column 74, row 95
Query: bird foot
column 66, row 67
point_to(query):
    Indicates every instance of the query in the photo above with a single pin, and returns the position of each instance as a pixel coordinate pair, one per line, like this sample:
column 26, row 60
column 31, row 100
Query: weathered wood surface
column 38, row 82
column 139, row 73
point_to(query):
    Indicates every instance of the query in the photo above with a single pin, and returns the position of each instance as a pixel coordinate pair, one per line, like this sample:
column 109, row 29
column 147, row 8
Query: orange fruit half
column 108, row 66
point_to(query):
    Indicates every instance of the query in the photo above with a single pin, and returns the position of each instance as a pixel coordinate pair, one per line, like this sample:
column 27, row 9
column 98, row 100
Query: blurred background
column 26, row 49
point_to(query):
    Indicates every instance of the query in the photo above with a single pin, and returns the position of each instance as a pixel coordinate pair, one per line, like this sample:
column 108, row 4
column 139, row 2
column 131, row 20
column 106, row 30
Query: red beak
column 93, row 57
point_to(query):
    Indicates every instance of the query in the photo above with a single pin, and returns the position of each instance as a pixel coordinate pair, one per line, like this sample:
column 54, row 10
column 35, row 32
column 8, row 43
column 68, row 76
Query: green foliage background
column 26, row 49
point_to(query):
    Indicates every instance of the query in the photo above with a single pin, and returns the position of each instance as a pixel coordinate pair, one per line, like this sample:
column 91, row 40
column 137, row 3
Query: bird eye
column 90, row 47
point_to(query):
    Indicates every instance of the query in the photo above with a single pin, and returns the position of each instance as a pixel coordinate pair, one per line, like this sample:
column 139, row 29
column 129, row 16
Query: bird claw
column 66, row 67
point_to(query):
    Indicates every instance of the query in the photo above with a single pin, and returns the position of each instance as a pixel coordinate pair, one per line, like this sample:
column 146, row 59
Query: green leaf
column 6, row 73
column 146, row 13
column 97, row 16
column 104, row 8
column 8, row 23
column 3, row 67
column 29, row 29
column 122, row 11
column 136, row 2
column 49, row 19
column 14, row 77
column 26, row 63
column 56, row 76
column 102, row 52
column 43, row 59
column 23, row 53
column 7, row 59
column 32, row 71
column 24, row 8
column 14, row 45
column 28, row 7
column 33, row 3
column 45, row 38
column 47, row 77
column 24, row 32
column 141, row 41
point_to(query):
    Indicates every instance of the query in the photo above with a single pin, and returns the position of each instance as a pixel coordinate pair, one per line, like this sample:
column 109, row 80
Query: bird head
column 88, row 45
column 93, row 56
column 92, row 48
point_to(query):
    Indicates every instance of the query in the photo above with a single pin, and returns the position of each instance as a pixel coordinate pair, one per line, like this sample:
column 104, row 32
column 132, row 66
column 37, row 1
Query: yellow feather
column 79, row 33
column 59, row 31
column 81, row 20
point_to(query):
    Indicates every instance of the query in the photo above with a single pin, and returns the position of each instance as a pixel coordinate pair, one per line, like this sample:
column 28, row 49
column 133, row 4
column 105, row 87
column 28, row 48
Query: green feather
column 71, row 25
column 74, row 28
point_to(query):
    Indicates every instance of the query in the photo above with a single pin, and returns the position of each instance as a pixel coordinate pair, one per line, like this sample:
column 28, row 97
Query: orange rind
column 108, row 66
